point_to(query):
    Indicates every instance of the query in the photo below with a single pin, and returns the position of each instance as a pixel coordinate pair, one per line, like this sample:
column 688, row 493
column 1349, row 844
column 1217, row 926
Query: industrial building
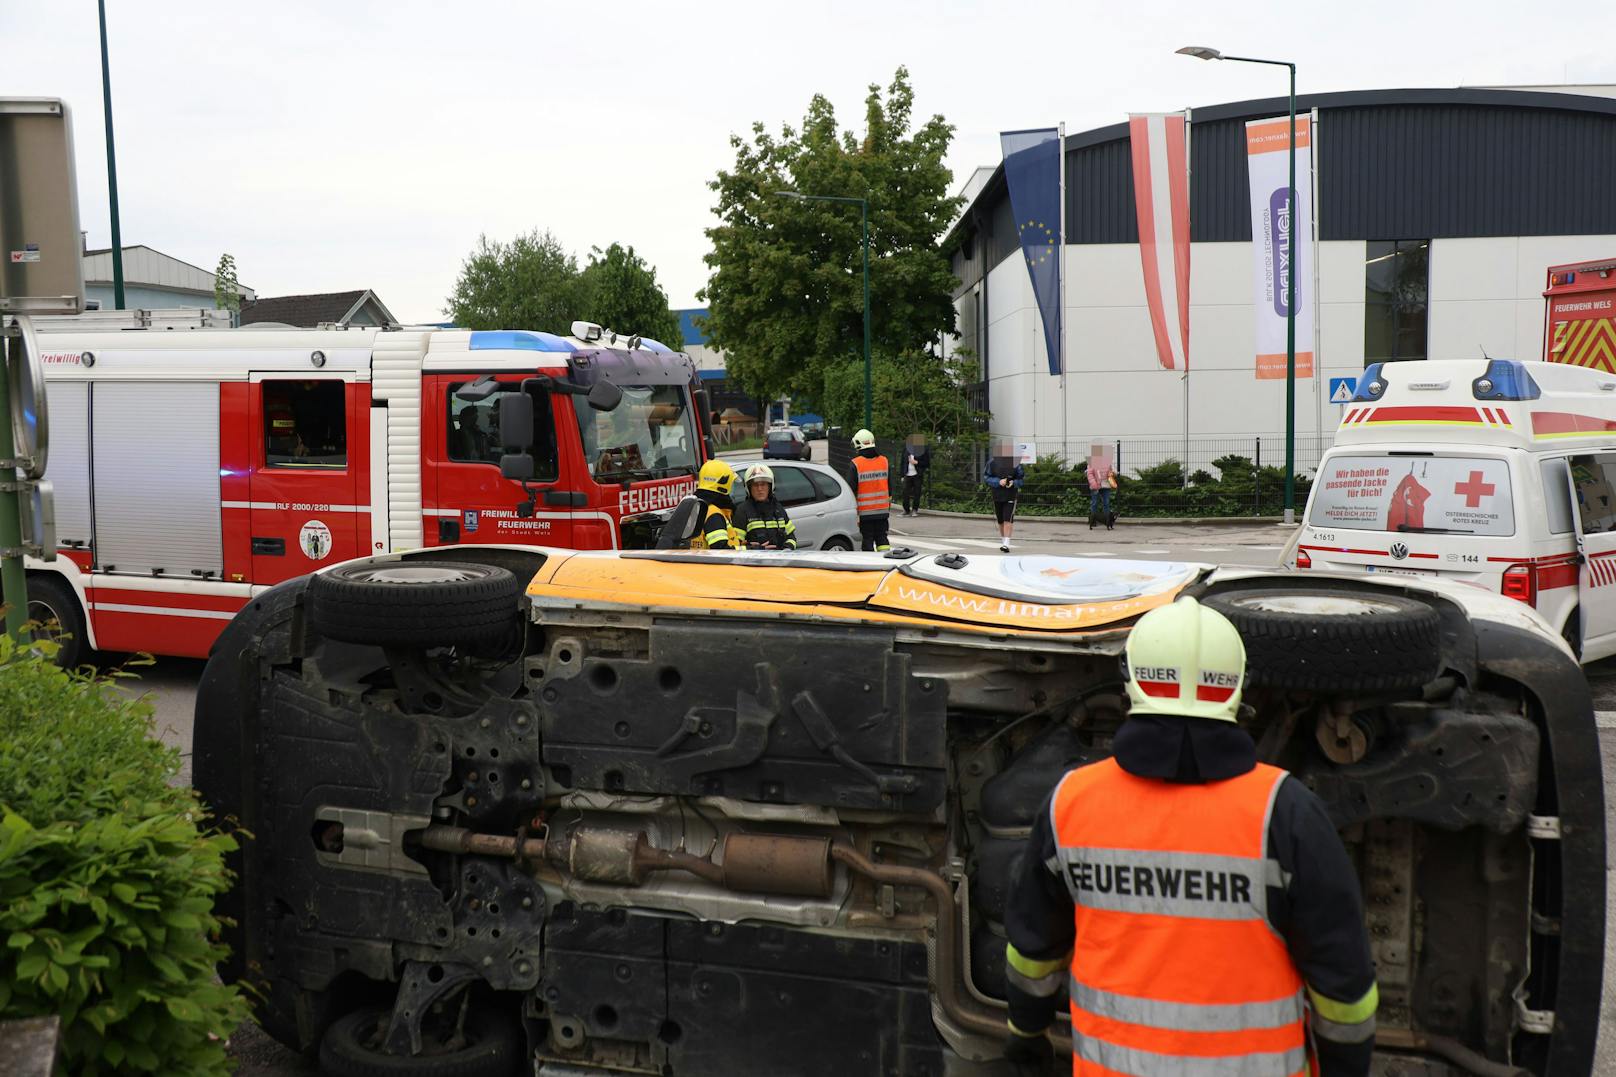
column 1438, row 212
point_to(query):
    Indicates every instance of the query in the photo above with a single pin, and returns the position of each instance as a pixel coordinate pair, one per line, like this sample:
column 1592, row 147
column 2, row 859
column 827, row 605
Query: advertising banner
column 1433, row 494
column 1272, row 220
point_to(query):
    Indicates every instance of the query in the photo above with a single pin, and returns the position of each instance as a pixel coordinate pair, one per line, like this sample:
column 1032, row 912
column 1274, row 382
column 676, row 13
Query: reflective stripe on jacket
column 718, row 532
column 874, row 497
column 1175, row 968
column 765, row 523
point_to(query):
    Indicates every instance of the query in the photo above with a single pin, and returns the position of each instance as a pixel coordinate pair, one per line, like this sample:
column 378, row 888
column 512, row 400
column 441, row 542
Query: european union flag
column 1032, row 171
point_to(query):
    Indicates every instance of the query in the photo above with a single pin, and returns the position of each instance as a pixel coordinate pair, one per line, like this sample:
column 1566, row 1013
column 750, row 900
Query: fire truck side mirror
column 516, row 421
column 518, row 466
column 604, row 396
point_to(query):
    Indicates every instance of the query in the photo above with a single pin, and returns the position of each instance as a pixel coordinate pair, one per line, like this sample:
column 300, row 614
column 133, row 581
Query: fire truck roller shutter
column 156, row 464
column 70, row 461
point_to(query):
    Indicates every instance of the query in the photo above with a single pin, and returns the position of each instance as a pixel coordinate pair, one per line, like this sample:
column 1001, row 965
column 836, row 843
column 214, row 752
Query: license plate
column 1400, row 571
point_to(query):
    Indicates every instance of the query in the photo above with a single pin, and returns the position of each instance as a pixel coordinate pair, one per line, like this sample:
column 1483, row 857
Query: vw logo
column 1399, row 551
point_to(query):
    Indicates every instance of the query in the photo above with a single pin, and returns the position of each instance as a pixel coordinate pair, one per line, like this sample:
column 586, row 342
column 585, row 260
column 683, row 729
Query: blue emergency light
column 1371, row 386
column 1505, row 379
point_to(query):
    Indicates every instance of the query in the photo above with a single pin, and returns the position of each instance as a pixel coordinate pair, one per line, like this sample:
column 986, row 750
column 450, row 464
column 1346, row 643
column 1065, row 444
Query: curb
column 1142, row 521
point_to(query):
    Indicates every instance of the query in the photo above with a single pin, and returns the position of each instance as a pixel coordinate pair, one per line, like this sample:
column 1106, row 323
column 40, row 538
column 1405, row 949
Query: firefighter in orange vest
column 868, row 476
column 1197, row 905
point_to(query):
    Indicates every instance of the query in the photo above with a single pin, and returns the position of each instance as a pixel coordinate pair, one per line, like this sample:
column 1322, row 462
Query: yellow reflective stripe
column 756, row 525
column 791, row 528
column 1027, row 966
column 1346, row 1013
column 715, row 537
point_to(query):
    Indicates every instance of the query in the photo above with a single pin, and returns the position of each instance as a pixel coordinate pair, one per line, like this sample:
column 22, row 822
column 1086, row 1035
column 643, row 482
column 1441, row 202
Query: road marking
column 1153, row 551
column 1605, row 719
column 922, row 544
column 1265, row 547
column 1096, row 553
column 981, row 543
column 1211, row 549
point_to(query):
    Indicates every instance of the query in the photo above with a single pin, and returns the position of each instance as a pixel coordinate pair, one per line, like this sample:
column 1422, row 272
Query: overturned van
column 662, row 813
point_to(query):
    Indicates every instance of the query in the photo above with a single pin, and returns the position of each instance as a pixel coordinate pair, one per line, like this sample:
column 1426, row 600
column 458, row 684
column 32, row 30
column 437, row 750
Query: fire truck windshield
column 650, row 434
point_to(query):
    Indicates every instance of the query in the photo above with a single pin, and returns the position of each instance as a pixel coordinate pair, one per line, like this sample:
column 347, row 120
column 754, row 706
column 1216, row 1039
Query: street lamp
column 1201, row 52
column 864, row 223
column 112, row 165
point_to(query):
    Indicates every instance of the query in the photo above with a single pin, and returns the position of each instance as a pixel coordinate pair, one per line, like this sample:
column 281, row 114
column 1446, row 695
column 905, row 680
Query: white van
column 1469, row 469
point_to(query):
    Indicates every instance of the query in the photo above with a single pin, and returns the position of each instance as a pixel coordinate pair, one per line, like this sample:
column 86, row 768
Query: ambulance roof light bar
column 1505, row 379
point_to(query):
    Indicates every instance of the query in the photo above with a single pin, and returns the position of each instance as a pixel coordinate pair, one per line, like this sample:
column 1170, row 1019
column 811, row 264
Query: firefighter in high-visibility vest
column 868, row 476
column 1197, row 905
column 702, row 521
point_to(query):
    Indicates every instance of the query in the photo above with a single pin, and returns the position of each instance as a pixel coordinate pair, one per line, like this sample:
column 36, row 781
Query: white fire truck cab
column 195, row 468
column 1493, row 472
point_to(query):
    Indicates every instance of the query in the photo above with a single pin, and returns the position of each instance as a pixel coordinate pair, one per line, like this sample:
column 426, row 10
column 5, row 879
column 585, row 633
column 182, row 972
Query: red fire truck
column 1580, row 315
column 195, row 468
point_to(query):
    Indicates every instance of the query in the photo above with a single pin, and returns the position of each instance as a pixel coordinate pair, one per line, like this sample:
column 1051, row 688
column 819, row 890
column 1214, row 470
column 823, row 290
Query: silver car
column 817, row 499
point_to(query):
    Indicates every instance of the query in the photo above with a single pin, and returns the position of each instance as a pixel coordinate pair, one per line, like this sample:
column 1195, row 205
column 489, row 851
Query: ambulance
column 1493, row 472
column 196, row 467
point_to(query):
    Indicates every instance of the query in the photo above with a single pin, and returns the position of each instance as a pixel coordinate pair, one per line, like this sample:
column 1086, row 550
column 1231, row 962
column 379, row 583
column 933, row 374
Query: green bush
column 106, row 884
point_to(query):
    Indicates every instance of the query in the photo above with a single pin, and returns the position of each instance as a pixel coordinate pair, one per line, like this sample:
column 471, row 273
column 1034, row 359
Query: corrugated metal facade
column 1408, row 164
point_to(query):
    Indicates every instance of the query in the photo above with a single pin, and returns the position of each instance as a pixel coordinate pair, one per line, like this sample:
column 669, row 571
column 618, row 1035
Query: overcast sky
column 336, row 144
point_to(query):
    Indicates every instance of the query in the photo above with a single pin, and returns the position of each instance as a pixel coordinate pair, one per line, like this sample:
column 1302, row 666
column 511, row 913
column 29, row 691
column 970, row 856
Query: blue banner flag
column 1032, row 171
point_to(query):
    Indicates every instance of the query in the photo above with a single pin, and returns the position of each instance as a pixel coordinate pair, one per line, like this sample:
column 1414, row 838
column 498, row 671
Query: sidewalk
column 1169, row 533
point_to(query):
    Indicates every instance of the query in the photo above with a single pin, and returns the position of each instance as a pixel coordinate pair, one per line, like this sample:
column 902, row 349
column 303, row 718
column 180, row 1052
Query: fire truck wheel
column 415, row 604
column 490, row 1047
column 52, row 603
column 1334, row 641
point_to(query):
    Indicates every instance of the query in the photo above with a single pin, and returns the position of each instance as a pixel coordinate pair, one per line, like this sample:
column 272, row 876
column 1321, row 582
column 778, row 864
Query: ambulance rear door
column 310, row 449
column 1593, row 481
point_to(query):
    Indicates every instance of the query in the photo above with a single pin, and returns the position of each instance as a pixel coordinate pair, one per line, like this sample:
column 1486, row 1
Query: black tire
column 1333, row 641
column 838, row 544
column 53, row 604
column 415, row 603
column 350, row 1048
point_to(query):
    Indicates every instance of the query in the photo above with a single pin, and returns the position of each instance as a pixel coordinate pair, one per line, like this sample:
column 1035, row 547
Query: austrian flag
column 1161, row 194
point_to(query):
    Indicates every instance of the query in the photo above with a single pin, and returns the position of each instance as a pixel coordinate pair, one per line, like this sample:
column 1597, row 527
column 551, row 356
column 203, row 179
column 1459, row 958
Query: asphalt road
column 170, row 685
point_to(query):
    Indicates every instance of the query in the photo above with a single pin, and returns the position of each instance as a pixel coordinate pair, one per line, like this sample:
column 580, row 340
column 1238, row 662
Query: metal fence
column 1206, row 476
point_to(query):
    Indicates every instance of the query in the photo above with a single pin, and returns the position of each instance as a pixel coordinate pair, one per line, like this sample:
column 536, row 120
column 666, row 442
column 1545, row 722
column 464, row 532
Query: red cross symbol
column 1474, row 490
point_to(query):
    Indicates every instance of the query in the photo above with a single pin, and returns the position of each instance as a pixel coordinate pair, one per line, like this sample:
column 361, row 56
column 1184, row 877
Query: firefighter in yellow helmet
column 702, row 520
column 1197, row 905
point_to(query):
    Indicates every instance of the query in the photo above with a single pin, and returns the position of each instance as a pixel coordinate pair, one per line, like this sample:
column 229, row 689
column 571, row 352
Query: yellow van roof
column 1019, row 594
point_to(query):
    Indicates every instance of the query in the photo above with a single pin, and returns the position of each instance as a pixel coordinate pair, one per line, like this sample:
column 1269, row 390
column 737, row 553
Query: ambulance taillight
column 1520, row 583
column 1304, row 559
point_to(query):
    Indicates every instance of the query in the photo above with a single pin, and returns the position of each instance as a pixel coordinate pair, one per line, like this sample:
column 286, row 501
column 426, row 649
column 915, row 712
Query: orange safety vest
column 1175, row 967
column 874, row 498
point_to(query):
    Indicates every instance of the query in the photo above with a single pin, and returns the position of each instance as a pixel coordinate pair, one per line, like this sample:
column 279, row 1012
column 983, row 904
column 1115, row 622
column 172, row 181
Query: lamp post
column 1200, row 52
column 864, row 225
column 112, row 164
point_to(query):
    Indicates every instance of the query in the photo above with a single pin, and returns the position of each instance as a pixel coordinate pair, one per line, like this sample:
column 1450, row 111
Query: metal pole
column 13, row 580
column 869, row 393
column 112, row 164
column 1290, row 322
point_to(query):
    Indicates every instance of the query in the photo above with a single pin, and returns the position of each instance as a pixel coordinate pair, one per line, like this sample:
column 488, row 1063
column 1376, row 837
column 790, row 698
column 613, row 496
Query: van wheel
column 1334, row 641
column 489, row 1047
column 415, row 604
column 52, row 603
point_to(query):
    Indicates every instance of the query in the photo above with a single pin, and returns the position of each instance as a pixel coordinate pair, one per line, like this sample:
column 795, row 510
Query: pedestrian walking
column 1004, row 478
column 868, row 476
column 1102, row 480
column 761, row 517
column 916, row 461
column 1197, row 905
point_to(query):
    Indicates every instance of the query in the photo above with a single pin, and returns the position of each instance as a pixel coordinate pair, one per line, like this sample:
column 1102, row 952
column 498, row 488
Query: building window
column 305, row 425
column 1396, row 281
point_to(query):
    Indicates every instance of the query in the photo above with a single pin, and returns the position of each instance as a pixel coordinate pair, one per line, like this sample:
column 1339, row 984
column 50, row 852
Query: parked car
column 818, row 500
column 786, row 443
column 693, row 814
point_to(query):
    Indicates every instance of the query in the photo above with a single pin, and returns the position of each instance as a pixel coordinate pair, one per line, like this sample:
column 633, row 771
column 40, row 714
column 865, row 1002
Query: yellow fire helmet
column 1186, row 659
column 863, row 440
column 717, row 476
column 760, row 473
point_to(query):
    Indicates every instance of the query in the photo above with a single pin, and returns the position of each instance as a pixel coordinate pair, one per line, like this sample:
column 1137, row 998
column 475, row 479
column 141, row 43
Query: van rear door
column 1593, row 478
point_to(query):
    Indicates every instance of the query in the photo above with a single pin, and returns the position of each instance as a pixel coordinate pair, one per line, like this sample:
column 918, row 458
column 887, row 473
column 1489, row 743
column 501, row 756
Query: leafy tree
column 917, row 393
column 529, row 283
column 785, row 292
column 226, row 288
column 619, row 290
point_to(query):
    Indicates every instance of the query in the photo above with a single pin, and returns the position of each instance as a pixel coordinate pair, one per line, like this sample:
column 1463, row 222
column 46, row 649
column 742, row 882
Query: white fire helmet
column 1186, row 659
column 863, row 440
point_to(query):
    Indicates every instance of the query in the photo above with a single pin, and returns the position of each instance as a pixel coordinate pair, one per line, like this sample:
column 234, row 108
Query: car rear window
column 1467, row 495
column 778, row 437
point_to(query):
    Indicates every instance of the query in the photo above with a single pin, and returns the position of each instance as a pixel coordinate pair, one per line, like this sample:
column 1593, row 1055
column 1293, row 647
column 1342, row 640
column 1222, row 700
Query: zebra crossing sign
column 1342, row 390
